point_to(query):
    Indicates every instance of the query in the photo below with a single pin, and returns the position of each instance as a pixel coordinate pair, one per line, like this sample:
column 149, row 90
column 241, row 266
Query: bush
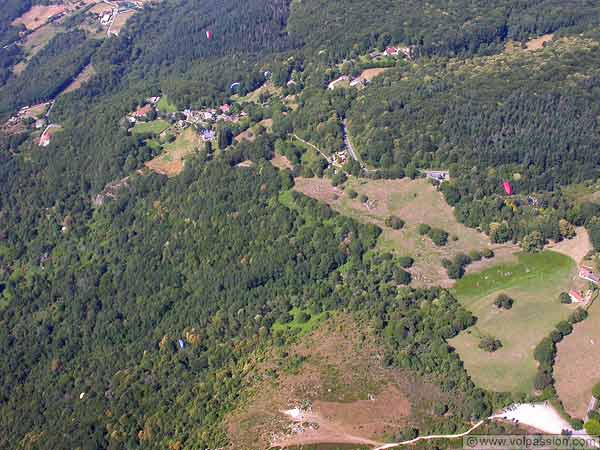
column 438, row 236
column 596, row 391
column 565, row 298
column 543, row 379
column 475, row 255
column 402, row 277
column 439, row 409
column 423, row 229
column 455, row 271
column 578, row 315
column 544, row 352
column 303, row 317
column 405, row 261
column 363, row 198
column 487, row 253
column 394, row 222
column 503, row 301
column 352, row 193
column 564, row 328
column 592, row 427
column 489, row 344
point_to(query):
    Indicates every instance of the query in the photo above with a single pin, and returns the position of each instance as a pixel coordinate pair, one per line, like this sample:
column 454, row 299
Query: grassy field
column 165, row 106
column 578, row 355
column 171, row 161
column 298, row 326
column 414, row 201
column 534, row 282
column 155, row 127
column 267, row 89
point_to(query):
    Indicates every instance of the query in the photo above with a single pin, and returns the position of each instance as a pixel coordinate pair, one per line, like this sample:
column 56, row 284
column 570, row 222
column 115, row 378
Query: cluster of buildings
column 212, row 115
column 585, row 273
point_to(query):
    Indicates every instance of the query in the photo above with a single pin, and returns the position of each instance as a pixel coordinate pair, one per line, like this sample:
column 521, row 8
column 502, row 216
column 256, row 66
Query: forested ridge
column 94, row 300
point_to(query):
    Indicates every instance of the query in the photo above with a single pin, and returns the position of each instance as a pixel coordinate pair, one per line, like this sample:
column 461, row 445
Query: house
column 437, row 175
column 576, row 297
column 587, row 274
column 142, row 111
column 45, row 138
column 392, row 51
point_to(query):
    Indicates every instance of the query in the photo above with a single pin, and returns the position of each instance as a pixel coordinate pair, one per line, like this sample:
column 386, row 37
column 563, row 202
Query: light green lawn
column 155, row 127
column 301, row 327
column 165, row 106
column 534, row 282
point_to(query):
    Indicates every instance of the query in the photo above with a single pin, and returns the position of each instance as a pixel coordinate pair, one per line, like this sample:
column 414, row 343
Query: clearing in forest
column 330, row 388
column 38, row 15
column 155, row 127
column 171, row 161
column 534, row 282
column 120, row 21
column 369, row 74
column 84, row 76
column 577, row 366
column 266, row 90
column 415, row 202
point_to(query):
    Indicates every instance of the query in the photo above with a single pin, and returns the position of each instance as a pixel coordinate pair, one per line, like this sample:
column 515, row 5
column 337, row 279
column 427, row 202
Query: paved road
column 348, row 143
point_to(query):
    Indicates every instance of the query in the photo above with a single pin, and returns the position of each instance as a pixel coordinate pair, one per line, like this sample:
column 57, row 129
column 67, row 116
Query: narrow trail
column 431, row 437
column 312, row 146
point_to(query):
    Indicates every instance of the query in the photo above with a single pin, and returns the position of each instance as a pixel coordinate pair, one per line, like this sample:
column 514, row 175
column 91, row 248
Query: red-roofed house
column 142, row 111
column 587, row 274
column 576, row 297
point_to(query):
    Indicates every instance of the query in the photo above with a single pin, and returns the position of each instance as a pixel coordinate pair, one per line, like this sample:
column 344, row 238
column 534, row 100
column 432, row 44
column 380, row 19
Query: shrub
column 596, row 391
column 489, row 344
column 544, row 352
column 565, row 298
column 405, row 261
column 352, row 193
column 475, row 255
column 503, row 301
column 454, row 237
column 543, row 379
column 439, row 409
column 455, row 271
column 394, row 222
column 446, row 263
column 402, row 277
column 578, row 315
column 303, row 317
column 592, row 427
column 363, row 198
column 487, row 253
column 423, row 229
column 564, row 328
column 438, row 236
column 462, row 260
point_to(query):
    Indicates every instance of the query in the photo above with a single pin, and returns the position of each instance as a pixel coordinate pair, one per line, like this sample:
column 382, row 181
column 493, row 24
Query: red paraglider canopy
column 507, row 188
column 209, row 35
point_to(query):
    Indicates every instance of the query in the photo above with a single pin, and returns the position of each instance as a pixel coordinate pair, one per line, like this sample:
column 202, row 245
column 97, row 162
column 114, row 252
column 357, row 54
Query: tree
column 592, row 427
column 438, row 236
column 503, row 301
column 565, row 298
column 596, row 391
column 394, row 222
column 224, row 136
column 564, row 328
column 489, row 344
column 423, row 229
column 533, row 242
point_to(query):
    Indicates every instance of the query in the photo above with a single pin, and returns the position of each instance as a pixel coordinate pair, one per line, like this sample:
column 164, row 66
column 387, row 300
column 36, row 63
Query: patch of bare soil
column 537, row 43
column 84, row 76
column 281, row 162
column 369, row 74
column 330, row 388
column 577, row 366
column 576, row 248
column 38, row 15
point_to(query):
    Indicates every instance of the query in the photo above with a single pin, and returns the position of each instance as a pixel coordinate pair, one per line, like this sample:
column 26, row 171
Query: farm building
column 576, row 297
column 587, row 274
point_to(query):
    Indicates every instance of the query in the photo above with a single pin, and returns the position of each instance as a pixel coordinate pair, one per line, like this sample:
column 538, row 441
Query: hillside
column 214, row 213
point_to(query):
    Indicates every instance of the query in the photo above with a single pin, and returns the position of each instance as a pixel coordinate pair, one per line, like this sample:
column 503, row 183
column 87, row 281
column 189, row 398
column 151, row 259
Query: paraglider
column 208, row 35
column 507, row 188
column 234, row 85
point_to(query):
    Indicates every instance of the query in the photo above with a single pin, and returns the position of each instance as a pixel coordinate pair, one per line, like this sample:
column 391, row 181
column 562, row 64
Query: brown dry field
column 38, row 15
column 577, row 366
column 537, row 43
column 416, row 202
column 120, row 21
column 576, row 248
column 343, row 366
column 369, row 74
column 83, row 76
column 171, row 161
column 100, row 8
column 281, row 162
